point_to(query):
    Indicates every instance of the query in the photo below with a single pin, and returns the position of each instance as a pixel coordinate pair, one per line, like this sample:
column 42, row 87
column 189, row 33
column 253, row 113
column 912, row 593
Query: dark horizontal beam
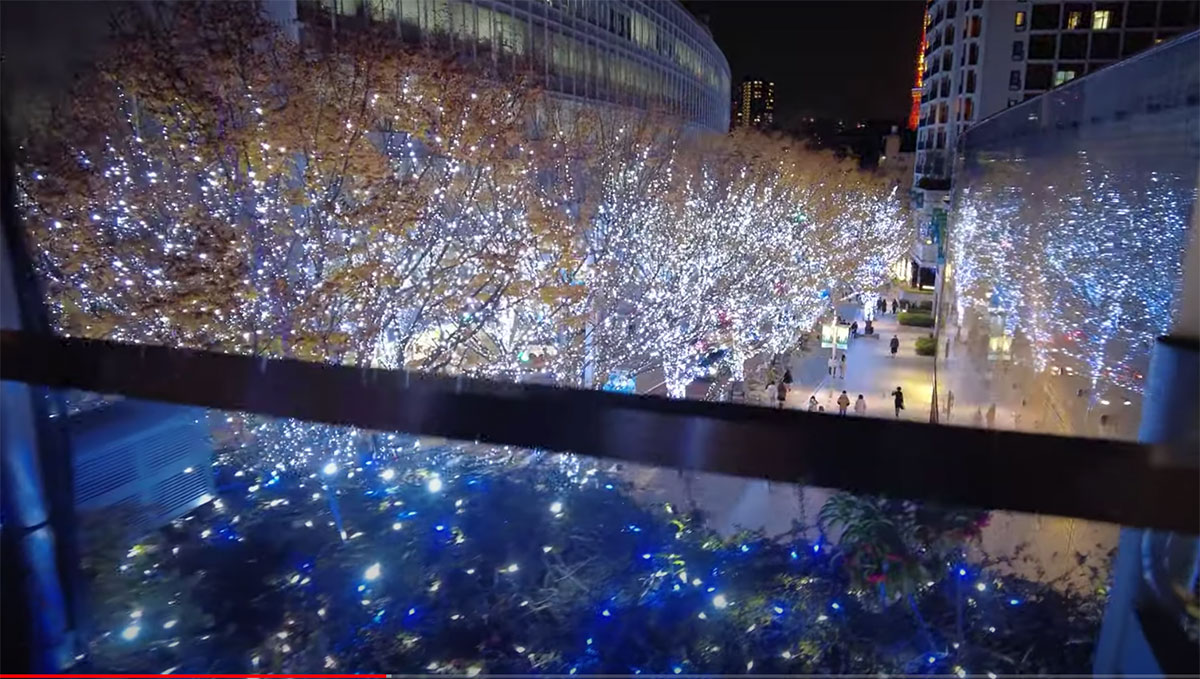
column 1093, row 479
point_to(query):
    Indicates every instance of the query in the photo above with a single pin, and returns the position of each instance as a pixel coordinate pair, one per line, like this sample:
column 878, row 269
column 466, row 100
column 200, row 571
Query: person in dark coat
column 895, row 306
column 894, row 345
column 898, row 400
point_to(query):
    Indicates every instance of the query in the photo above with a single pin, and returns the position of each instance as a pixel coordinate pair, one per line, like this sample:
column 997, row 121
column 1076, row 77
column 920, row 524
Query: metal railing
column 1094, row 479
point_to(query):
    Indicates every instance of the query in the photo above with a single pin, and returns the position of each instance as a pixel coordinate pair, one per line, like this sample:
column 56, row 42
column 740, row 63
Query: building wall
column 997, row 63
column 982, row 57
column 639, row 53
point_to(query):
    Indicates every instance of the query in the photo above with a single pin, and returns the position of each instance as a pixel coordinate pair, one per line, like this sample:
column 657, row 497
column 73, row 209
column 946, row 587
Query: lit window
column 1074, row 19
column 1100, row 19
column 1019, row 22
column 1061, row 77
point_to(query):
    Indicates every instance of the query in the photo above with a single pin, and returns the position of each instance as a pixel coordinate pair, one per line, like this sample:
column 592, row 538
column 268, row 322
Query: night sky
column 829, row 59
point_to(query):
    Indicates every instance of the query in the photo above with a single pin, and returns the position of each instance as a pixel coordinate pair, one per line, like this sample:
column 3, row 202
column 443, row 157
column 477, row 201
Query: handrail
column 1094, row 479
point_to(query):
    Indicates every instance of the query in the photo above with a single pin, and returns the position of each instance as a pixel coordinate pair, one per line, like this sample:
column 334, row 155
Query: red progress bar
column 199, row 676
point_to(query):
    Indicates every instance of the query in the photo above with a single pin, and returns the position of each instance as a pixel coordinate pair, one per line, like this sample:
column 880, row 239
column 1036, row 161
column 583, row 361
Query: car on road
column 711, row 365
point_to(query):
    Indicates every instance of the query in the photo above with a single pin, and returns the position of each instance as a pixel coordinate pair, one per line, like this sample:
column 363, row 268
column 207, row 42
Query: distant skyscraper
column 756, row 104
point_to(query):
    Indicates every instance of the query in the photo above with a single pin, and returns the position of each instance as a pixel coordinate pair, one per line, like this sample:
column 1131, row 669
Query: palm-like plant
column 895, row 546
column 878, row 543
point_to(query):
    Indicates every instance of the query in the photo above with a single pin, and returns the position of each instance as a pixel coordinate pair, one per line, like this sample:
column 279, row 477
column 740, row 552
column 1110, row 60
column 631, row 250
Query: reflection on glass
column 1065, row 256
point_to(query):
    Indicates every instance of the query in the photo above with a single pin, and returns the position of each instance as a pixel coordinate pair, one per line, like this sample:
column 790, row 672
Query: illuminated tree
column 351, row 200
column 1063, row 260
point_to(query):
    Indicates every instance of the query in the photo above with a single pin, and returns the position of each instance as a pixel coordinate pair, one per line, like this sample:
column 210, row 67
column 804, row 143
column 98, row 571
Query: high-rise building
column 982, row 57
column 756, row 104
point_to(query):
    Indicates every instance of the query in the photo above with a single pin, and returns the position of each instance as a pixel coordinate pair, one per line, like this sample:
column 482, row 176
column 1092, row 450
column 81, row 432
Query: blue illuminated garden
column 468, row 559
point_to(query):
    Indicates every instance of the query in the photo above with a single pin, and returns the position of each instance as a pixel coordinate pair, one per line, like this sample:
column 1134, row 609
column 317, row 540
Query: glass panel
column 1050, row 311
column 252, row 544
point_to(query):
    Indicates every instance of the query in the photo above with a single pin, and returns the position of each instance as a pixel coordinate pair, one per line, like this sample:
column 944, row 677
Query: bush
column 918, row 319
column 926, row 346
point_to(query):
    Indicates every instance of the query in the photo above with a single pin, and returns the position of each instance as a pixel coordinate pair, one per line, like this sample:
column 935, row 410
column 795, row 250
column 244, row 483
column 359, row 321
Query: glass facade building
column 644, row 54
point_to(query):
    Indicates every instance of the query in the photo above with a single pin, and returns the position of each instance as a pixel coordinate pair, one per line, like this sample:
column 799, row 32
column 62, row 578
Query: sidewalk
column 872, row 372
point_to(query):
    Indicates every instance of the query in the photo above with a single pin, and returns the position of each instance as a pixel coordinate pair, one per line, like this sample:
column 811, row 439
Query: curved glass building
column 650, row 54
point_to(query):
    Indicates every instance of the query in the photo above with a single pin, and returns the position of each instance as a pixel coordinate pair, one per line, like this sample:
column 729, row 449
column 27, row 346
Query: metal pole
column 40, row 559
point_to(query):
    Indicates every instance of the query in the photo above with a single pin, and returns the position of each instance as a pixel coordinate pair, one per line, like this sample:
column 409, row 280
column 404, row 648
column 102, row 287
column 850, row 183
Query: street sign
column 833, row 334
column 1000, row 348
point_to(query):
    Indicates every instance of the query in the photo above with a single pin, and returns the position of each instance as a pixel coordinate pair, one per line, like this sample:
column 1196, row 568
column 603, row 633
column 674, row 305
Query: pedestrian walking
column 898, row 400
column 860, row 406
column 894, row 345
column 854, row 329
column 787, row 377
column 769, row 394
column 781, row 390
column 812, row 404
column 843, row 403
column 842, row 367
column 895, row 307
column 991, row 416
column 949, row 404
column 833, row 364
